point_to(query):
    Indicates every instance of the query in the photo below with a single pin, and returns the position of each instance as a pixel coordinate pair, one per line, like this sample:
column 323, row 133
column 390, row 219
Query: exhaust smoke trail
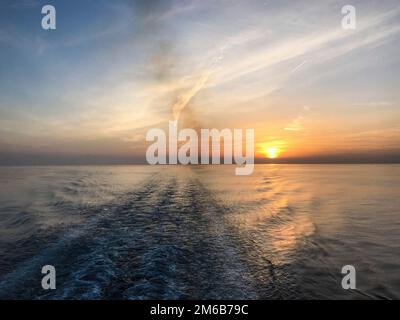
column 185, row 99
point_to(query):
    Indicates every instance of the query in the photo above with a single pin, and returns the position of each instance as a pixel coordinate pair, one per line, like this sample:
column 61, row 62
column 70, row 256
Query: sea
column 200, row 232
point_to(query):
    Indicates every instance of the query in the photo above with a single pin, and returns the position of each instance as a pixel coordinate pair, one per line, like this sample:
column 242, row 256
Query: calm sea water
column 141, row 232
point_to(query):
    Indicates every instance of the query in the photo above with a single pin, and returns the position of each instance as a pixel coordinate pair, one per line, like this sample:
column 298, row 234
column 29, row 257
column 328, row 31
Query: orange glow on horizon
column 271, row 150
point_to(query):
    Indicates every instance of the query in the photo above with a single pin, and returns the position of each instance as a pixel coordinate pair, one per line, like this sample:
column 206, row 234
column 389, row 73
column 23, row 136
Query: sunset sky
column 89, row 90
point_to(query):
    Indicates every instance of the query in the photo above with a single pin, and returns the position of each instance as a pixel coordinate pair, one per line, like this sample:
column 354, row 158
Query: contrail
column 299, row 66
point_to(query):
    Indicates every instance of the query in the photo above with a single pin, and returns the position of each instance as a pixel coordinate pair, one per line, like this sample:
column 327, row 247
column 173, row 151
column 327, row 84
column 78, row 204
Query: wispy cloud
column 299, row 66
column 238, row 62
column 321, row 46
column 373, row 104
column 295, row 125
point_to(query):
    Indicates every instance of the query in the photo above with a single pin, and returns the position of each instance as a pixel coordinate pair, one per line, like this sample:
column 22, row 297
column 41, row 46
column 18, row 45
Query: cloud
column 324, row 45
column 373, row 104
column 295, row 125
column 299, row 66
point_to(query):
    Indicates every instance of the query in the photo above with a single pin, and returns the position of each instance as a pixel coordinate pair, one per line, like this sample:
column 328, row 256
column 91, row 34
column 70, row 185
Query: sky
column 89, row 91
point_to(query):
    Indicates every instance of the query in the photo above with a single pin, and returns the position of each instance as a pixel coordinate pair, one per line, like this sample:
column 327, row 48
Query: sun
column 272, row 149
column 272, row 152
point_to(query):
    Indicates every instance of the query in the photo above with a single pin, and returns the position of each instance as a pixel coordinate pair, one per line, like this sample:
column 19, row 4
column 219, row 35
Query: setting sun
column 272, row 152
column 272, row 149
